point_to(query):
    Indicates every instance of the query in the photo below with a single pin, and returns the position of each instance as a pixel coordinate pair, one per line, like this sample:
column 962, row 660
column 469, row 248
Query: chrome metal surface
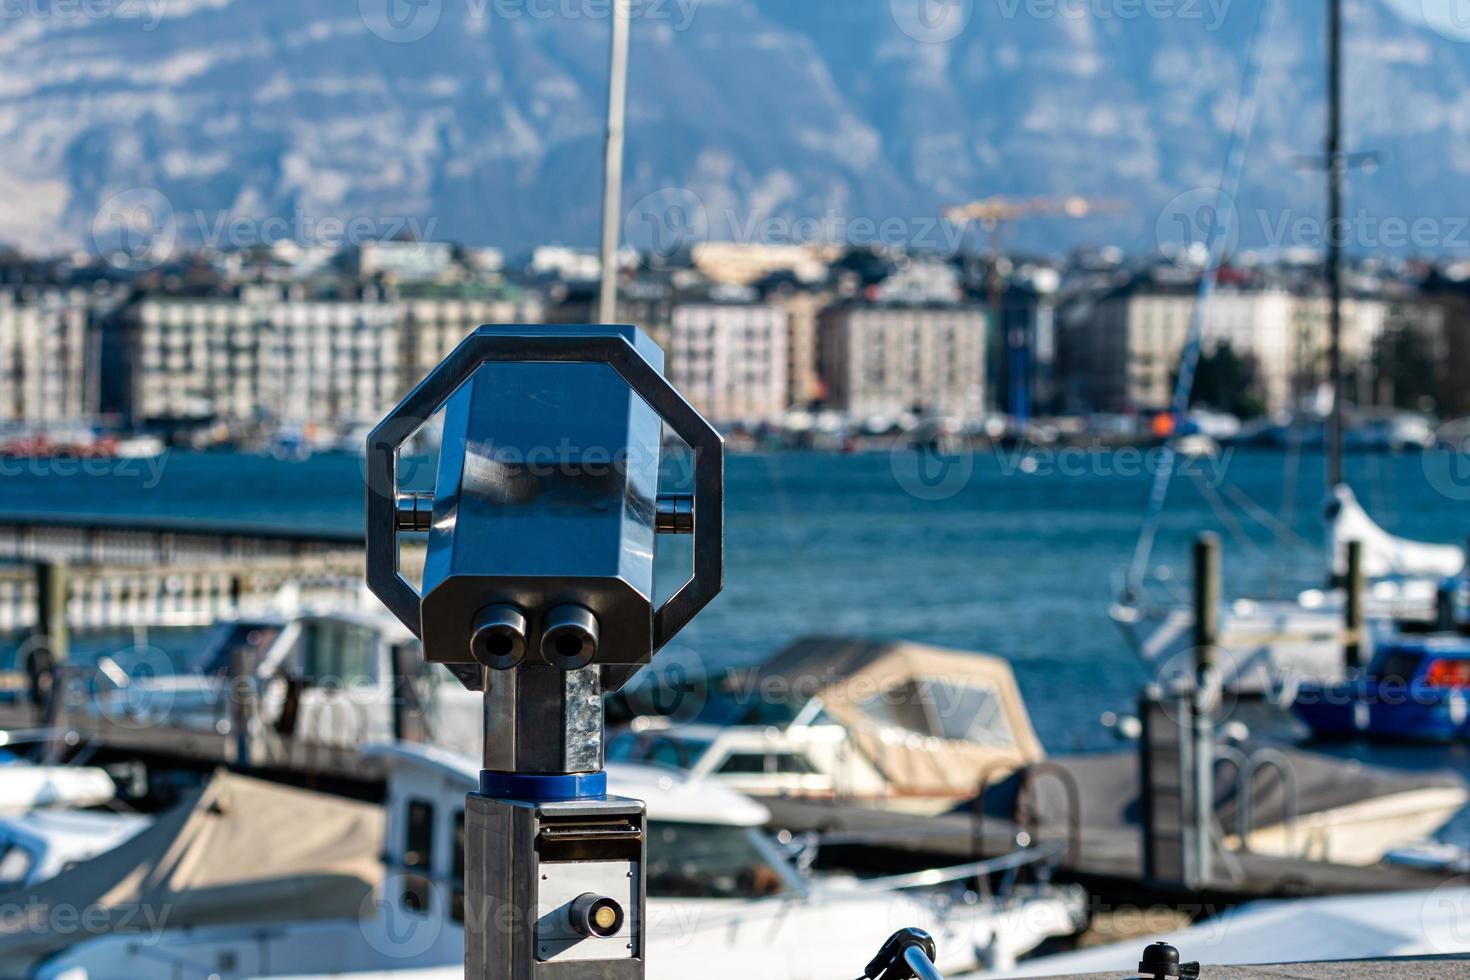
column 580, row 428
column 569, row 637
column 923, row 968
column 527, row 864
column 499, row 638
column 415, row 511
column 543, row 720
column 539, row 564
column 675, row 513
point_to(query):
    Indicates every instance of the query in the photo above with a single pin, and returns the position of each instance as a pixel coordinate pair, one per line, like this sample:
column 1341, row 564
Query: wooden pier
column 122, row 574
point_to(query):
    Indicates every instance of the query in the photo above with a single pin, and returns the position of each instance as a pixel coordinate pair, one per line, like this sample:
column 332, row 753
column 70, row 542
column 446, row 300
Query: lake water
column 1015, row 553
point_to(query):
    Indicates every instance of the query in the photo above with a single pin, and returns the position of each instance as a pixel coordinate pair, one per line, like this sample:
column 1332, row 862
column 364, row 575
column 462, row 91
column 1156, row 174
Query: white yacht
column 279, row 691
column 37, row 846
column 899, row 726
column 1269, row 646
column 23, row 787
column 902, row 743
column 724, row 901
column 1298, row 930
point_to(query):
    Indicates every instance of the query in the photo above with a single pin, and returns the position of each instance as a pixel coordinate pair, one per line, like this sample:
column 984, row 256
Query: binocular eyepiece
column 500, row 637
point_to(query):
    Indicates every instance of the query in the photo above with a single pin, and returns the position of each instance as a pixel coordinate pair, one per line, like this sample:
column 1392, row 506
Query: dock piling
column 51, row 601
column 1357, row 585
column 1207, row 592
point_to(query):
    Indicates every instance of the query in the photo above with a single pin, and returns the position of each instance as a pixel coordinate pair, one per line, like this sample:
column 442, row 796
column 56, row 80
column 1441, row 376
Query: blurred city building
column 727, row 354
column 888, row 361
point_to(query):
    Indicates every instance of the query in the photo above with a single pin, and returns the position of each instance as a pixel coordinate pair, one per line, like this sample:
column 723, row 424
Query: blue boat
column 1416, row 689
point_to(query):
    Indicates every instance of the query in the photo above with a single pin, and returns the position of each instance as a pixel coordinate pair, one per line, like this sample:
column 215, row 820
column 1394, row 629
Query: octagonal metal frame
column 488, row 345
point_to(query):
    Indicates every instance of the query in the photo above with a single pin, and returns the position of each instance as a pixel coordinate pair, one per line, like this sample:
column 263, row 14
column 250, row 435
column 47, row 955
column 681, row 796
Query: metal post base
column 533, row 869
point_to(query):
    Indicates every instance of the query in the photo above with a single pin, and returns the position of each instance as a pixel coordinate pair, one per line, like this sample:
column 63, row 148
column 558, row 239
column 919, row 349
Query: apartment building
column 1125, row 355
column 883, row 360
column 433, row 323
column 263, row 356
column 730, row 359
column 44, row 359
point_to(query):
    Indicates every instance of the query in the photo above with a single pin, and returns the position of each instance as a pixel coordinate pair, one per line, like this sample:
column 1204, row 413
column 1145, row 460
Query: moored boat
column 1416, row 689
column 724, row 901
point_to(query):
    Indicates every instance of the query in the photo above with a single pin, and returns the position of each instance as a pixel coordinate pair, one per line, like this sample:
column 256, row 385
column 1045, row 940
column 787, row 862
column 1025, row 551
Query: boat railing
column 1025, row 817
column 1247, row 766
column 1007, row 866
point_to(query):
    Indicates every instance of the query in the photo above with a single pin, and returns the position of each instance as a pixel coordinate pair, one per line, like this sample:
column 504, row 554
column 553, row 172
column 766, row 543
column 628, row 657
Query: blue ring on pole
column 542, row 789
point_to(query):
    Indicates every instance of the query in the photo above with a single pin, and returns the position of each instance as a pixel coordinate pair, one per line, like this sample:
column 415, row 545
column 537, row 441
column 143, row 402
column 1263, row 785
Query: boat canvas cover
column 1384, row 555
column 235, row 850
column 932, row 721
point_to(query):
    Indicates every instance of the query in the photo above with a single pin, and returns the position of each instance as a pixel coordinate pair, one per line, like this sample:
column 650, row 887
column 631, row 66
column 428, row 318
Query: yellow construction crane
column 995, row 211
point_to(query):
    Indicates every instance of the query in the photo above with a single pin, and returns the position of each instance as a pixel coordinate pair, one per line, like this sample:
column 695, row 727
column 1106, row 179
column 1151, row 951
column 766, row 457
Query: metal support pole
column 612, row 170
column 1336, row 165
column 1353, row 618
column 51, row 601
column 1206, row 639
column 52, row 648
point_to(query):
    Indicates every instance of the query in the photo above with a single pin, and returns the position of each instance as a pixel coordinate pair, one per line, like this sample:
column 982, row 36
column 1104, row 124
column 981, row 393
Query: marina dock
column 119, row 574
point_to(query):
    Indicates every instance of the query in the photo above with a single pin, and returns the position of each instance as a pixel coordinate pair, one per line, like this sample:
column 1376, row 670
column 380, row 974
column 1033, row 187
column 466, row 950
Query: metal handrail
column 908, row 954
column 1246, row 767
column 918, row 961
column 960, row 872
column 1256, row 761
column 1029, row 776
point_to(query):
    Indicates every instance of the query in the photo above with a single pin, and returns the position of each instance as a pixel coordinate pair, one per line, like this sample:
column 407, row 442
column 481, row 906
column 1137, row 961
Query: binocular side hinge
column 675, row 513
column 415, row 511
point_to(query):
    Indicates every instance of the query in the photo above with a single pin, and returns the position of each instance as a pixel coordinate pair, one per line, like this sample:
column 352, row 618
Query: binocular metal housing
column 545, row 509
column 538, row 590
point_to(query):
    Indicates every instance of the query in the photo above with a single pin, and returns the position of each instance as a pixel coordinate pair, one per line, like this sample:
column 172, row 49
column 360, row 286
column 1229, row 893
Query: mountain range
column 231, row 121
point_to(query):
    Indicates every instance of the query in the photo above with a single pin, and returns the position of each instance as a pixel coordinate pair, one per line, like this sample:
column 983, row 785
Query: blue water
column 996, row 553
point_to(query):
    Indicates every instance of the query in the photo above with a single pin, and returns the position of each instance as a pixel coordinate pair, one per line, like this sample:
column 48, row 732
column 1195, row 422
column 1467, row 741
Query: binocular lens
column 596, row 917
column 499, row 637
column 569, row 638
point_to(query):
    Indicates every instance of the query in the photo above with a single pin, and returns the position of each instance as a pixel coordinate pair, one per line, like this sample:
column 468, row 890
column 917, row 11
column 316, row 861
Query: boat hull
column 1344, row 711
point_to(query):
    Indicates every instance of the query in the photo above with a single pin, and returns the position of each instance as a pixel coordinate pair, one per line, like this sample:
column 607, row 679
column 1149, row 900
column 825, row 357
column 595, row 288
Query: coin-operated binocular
column 538, row 591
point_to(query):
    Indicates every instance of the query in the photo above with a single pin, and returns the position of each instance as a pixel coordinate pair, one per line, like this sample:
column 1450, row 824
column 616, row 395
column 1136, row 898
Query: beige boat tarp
column 905, row 703
column 235, row 850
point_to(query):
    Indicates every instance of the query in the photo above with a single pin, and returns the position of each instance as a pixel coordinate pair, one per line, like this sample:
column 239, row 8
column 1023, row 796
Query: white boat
column 1271, row 646
column 1431, row 855
column 39, row 845
column 724, row 901
column 1300, row 930
column 899, row 739
column 318, row 684
column 901, row 726
column 24, row 787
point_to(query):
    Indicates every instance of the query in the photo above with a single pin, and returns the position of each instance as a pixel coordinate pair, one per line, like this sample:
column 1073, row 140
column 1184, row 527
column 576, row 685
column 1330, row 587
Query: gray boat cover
column 235, row 850
column 1108, row 787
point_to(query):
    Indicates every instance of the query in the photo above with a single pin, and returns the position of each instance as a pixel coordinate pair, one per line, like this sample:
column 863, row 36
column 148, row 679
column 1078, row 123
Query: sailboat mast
column 1336, row 164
